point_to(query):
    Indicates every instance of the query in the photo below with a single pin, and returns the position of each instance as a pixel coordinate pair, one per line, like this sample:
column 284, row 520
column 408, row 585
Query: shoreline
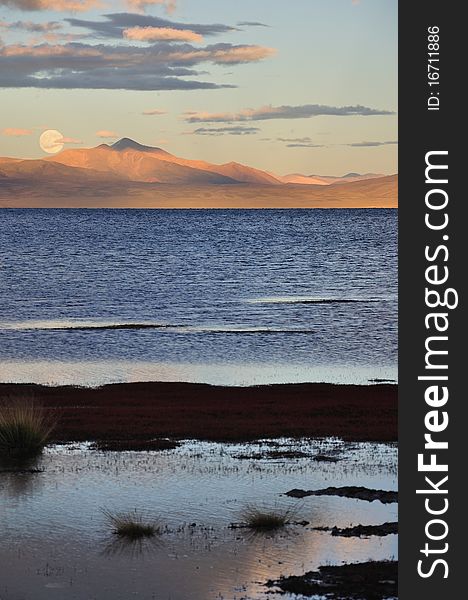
column 369, row 193
column 144, row 411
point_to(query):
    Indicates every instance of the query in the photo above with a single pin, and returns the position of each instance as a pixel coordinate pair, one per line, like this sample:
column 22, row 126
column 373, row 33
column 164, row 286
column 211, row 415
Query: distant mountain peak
column 129, row 144
column 128, row 160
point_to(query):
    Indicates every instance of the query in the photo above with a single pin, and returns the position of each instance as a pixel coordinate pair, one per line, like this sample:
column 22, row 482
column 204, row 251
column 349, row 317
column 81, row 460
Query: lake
column 234, row 297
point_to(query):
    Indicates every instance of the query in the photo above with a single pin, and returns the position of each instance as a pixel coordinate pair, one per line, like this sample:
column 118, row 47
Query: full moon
column 50, row 141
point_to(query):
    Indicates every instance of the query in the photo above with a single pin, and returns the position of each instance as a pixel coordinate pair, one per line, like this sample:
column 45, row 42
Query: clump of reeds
column 265, row 519
column 131, row 525
column 25, row 427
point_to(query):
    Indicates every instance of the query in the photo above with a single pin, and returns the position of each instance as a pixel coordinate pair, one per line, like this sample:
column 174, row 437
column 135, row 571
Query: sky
column 305, row 86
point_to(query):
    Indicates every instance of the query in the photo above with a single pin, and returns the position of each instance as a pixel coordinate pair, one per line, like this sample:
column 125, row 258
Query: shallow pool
column 56, row 543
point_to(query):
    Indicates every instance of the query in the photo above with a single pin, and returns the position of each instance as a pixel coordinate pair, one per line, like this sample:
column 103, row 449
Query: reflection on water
column 57, row 544
column 19, row 476
column 101, row 372
column 132, row 548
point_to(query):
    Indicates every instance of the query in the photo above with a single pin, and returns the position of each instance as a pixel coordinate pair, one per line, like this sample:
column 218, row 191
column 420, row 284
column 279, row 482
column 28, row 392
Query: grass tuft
column 131, row 525
column 265, row 519
column 24, row 428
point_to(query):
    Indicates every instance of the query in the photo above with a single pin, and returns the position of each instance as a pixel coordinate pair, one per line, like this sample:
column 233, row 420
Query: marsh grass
column 25, row 427
column 266, row 519
column 131, row 525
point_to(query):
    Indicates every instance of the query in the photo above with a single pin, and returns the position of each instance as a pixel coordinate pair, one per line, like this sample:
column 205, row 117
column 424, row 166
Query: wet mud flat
column 135, row 412
column 57, row 542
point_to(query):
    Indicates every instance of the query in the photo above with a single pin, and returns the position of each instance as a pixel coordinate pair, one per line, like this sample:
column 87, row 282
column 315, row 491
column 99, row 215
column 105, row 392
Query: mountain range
column 129, row 169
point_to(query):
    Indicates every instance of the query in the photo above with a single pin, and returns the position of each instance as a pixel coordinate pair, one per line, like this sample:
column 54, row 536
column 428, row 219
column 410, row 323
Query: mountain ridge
column 133, row 161
column 128, row 174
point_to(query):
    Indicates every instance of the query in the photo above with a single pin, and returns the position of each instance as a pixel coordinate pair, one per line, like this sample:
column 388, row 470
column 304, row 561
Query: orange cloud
column 104, row 133
column 31, row 26
column 57, row 5
column 167, row 34
column 13, row 132
column 230, row 55
column 46, row 50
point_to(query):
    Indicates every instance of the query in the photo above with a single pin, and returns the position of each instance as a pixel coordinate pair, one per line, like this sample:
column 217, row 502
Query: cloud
column 305, row 145
column 216, row 131
column 307, row 142
column 155, row 34
column 251, row 24
column 46, row 32
column 32, row 27
column 114, row 25
column 55, row 38
column 162, row 66
column 303, row 142
column 105, row 134
column 283, row 112
column 170, row 61
column 224, row 54
column 371, row 144
column 154, row 112
column 14, row 132
column 142, row 5
column 55, row 5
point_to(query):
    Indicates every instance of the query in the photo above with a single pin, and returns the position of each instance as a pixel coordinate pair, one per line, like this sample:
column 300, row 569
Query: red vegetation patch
column 188, row 410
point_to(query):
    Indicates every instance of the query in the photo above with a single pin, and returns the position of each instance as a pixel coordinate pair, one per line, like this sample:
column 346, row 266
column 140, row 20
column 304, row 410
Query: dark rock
column 358, row 581
column 362, row 530
column 360, row 493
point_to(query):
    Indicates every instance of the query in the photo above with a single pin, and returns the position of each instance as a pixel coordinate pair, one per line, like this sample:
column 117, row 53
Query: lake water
column 217, row 296
column 56, row 543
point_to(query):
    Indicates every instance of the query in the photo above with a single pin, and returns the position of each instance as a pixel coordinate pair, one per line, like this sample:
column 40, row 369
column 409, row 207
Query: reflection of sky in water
column 55, row 539
column 121, row 371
